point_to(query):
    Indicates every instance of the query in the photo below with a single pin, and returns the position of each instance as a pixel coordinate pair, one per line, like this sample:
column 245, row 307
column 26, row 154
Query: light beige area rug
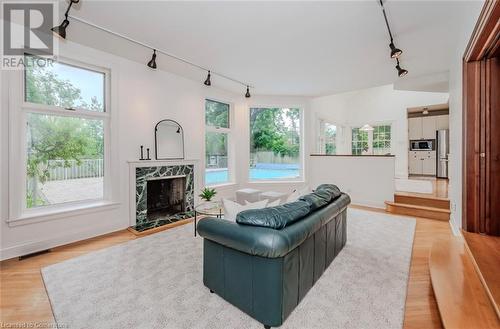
column 156, row 282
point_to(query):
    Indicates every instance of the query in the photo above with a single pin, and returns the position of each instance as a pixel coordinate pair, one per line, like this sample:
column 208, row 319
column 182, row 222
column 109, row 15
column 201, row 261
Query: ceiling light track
column 395, row 52
column 159, row 51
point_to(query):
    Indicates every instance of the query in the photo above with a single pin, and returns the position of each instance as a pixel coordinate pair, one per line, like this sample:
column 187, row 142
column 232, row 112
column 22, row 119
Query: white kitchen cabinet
column 415, row 128
column 442, row 122
column 414, row 164
column 422, row 163
column 429, row 163
column 429, row 127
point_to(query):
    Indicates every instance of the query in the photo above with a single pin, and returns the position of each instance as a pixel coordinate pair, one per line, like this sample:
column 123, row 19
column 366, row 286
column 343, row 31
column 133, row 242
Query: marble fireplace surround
column 142, row 171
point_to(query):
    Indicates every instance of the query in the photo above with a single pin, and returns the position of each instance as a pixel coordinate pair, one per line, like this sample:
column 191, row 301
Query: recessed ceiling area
column 282, row 48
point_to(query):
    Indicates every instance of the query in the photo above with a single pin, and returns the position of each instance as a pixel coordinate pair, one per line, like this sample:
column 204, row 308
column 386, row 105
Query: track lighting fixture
column 207, row 81
column 61, row 29
column 152, row 62
column 395, row 52
column 401, row 72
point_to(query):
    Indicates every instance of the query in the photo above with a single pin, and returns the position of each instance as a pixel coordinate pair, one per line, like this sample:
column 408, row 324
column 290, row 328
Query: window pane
column 65, row 159
column 330, row 139
column 63, row 85
column 382, row 139
column 274, row 143
column 216, row 114
column 359, row 141
column 216, row 171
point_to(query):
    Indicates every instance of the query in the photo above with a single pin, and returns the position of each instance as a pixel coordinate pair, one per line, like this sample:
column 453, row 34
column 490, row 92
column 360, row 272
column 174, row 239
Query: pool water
column 221, row 175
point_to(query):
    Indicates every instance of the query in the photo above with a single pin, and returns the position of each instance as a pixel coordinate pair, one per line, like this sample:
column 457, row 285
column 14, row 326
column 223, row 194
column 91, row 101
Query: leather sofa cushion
column 274, row 217
column 267, row 242
column 317, row 199
column 332, row 189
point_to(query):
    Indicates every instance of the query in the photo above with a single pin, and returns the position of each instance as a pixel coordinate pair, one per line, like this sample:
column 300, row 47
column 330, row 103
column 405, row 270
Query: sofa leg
column 267, row 327
column 211, row 291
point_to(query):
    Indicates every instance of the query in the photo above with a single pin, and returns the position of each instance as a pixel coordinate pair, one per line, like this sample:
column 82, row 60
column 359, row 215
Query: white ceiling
column 283, row 48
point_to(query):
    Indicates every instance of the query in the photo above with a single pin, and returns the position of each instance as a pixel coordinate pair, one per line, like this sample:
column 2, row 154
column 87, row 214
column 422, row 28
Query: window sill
column 223, row 186
column 298, row 181
column 42, row 215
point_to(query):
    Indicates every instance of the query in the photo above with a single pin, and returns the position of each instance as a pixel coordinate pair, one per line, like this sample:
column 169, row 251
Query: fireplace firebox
column 165, row 196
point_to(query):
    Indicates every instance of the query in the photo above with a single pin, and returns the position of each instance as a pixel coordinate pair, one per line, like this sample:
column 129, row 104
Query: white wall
column 368, row 180
column 455, row 164
column 143, row 97
column 374, row 105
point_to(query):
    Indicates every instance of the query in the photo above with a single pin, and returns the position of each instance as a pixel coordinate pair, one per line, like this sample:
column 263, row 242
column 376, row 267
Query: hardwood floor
column 23, row 298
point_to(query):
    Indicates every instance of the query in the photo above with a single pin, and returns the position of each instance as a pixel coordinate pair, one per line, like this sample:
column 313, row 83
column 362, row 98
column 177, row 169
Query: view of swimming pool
column 216, row 176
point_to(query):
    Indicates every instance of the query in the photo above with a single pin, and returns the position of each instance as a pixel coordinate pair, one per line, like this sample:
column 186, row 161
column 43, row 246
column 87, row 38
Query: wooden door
column 481, row 126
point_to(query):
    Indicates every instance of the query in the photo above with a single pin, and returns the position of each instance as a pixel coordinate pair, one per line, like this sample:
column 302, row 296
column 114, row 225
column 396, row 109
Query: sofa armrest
column 259, row 241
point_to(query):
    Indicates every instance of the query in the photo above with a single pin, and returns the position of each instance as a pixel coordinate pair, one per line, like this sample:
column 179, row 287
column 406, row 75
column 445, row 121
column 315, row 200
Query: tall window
column 66, row 127
column 217, row 134
column 327, row 143
column 377, row 141
column 382, row 139
column 275, row 143
column 359, row 141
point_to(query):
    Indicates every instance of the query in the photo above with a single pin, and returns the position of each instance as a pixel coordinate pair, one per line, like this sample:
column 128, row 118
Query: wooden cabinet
column 422, row 163
column 429, row 127
column 425, row 127
column 442, row 122
column 415, row 128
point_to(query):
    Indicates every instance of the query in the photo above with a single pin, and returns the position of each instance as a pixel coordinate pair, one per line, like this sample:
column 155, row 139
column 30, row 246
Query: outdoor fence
column 270, row 157
column 87, row 168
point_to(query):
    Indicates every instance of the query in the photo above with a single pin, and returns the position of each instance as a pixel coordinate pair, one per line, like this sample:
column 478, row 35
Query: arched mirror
column 169, row 140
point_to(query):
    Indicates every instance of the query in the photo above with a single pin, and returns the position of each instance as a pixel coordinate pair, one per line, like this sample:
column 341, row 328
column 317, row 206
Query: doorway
column 481, row 126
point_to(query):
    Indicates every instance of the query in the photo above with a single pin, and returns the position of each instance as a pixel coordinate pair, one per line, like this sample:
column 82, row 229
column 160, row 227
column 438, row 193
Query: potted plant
column 207, row 194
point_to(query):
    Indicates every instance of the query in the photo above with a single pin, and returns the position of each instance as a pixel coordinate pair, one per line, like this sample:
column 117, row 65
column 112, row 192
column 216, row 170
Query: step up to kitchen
column 422, row 200
column 417, row 211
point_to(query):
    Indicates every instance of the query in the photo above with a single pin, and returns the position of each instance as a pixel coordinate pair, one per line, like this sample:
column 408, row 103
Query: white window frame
column 321, row 138
column 18, row 113
column 229, row 134
column 370, row 135
column 301, row 177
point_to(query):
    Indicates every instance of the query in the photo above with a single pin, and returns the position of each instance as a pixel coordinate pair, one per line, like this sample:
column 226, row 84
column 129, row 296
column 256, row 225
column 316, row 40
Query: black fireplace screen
column 166, row 196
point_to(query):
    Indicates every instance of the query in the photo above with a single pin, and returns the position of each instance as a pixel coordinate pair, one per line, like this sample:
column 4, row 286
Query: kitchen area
column 428, row 134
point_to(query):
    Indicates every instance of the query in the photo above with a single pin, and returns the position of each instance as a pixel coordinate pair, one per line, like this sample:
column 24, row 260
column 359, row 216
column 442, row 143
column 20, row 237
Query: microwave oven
column 423, row 145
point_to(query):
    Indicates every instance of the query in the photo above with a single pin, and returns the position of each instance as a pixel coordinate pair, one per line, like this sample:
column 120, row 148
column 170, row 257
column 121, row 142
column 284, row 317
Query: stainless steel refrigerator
column 442, row 150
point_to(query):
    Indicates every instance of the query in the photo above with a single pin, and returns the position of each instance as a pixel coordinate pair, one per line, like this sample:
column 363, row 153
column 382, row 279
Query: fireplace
column 165, row 197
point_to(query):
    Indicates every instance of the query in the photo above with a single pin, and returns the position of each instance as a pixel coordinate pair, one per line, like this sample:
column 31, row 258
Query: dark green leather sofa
column 266, row 271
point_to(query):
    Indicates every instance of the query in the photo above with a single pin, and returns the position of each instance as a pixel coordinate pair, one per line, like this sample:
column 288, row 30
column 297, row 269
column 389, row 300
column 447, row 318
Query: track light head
column 247, row 94
column 207, row 81
column 395, row 52
column 61, row 29
column 401, row 72
column 152, row 62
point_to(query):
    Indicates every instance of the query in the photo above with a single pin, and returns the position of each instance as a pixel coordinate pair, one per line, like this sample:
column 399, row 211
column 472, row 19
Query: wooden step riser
column 426, row 202
column 421, row 213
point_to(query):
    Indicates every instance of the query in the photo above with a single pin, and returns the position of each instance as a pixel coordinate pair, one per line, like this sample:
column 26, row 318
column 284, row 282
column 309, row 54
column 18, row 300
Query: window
column 382, row 139
column 275, row 143
column 327, row 138
column 377, row 141
column 66, row 124
column 217, row 122
column 359, row 141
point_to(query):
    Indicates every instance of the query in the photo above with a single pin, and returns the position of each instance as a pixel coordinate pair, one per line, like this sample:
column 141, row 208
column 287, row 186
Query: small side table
column 211, row 208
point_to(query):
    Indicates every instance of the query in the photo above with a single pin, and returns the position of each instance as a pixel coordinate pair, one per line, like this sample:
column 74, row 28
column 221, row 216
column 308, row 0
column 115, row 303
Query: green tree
column 57, row 137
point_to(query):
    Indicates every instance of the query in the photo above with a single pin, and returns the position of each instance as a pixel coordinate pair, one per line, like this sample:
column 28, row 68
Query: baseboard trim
column 35, row 246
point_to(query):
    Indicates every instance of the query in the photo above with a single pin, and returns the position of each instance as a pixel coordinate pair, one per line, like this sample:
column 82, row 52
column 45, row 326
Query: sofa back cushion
column 274, row 217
